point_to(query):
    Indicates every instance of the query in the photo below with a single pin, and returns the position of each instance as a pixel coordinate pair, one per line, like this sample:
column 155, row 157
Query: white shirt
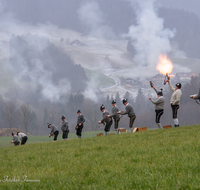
column 21, row 135
column 176, row 96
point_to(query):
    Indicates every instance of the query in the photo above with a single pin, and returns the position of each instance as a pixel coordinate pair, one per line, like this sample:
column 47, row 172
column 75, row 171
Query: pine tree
column 117, row 98
column 129, row 98
column 140, row 102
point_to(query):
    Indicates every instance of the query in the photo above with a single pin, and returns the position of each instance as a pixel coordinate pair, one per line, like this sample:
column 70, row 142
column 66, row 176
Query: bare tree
column 10, row 113
column 92, row 115
column 26, row 116
column 54, row 117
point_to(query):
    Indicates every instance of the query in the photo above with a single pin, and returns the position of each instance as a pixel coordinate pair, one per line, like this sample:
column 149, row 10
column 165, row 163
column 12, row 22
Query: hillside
column 105, row 61
column 103, row 53
column 155, row 159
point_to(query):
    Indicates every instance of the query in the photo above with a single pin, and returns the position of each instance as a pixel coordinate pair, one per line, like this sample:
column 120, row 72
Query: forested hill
column 34, row 56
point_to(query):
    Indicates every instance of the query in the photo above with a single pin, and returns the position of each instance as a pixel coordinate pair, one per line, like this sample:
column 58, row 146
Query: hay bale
column 7, row 131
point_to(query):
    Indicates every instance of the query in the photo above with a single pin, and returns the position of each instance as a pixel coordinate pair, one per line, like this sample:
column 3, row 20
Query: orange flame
column 164, row 65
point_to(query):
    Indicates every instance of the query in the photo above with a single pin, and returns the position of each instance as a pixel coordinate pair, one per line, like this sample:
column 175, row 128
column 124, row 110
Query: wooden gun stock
column 151, row 84
column 166, row 78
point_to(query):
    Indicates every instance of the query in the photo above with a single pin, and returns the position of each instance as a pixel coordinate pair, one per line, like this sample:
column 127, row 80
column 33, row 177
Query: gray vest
column 105, row 118
column 65, row 126
column 129, row 110
column 80, row 119
column 114, row 110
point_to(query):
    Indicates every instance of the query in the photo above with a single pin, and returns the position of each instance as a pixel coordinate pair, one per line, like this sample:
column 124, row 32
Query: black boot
column 176, row 125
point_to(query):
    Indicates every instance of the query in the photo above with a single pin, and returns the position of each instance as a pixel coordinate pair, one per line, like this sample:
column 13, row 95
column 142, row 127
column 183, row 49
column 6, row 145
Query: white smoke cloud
column 176, row 52
column 149, row 37
column 36, row 74
column 53, row 92
column 90, row 90
column 94, row 20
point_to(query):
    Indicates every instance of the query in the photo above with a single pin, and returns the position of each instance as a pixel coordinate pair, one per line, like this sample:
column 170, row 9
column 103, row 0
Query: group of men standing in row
column 108, row 118
column 65, row 127
column 174, row 102
column 107, row 121
column 159, row 109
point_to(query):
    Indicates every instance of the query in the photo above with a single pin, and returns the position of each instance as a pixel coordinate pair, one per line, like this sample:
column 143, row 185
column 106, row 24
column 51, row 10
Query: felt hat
column 160, row 93
column 124, row 100
column 114, row 102
column 102, row 107
column 178, row 85
column 63, row 117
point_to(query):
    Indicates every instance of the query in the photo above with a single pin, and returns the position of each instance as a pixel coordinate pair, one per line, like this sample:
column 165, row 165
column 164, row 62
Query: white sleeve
column 171, row 87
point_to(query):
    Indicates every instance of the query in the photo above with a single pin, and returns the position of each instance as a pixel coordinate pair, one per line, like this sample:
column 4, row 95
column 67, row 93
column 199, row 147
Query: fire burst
column 164, row 65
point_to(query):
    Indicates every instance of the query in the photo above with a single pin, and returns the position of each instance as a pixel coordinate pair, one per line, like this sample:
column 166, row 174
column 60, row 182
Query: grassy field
column 154, row 159
column 5, row 141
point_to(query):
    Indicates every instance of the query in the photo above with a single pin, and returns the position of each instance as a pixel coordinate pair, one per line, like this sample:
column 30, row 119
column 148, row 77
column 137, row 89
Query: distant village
column 158, row 80
column 133, row 85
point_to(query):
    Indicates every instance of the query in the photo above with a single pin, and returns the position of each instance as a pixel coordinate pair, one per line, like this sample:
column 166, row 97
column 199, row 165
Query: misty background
column 60, row 56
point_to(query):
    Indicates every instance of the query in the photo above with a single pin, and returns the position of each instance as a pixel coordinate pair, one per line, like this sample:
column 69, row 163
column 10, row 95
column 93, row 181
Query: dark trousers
column 16, row 143
column 24, row 139
column 132, row 119
column 174, row 111
column 158, row 115
column 108, row 126
column 79, row 130
column 56, row 135
column 116, row 121
column 65, row 134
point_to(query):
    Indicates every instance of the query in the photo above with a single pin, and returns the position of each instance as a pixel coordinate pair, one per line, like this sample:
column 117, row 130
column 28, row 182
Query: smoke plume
column 32, row 62
column 149, row 37
column 93, row 20
column 29, row 74
column 90, row 92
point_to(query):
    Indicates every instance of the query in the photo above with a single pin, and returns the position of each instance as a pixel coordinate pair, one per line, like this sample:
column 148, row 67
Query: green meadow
column 5, row 141
column 153, row 159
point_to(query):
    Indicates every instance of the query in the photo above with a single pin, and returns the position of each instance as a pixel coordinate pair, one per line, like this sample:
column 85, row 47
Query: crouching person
column 65, row 128
column 23, row 137
column 107, row 121
column 15, row 140
column 54, row 131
